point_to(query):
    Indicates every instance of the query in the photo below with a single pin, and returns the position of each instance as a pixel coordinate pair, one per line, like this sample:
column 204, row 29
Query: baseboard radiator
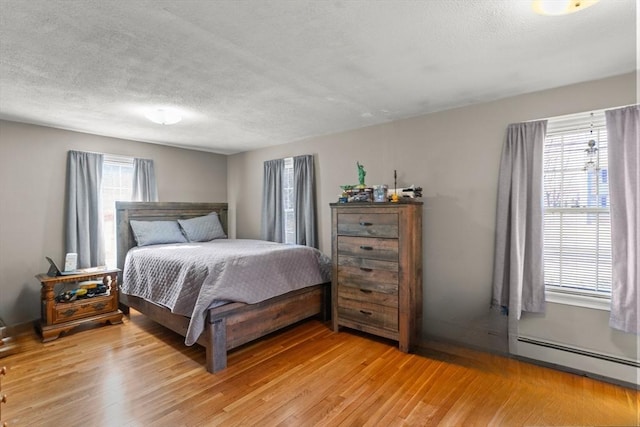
column 580, row 360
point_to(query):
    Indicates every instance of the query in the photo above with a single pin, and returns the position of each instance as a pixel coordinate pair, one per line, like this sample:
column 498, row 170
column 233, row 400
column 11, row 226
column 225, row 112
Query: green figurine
column 361, row 174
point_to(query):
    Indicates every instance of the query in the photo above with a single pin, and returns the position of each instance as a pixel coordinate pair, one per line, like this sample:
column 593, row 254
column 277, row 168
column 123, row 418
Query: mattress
column 189, row 278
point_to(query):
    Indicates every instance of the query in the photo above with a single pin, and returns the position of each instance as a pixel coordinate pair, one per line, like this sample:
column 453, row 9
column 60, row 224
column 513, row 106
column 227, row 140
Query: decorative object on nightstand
column 377, row 269
column 93, row 298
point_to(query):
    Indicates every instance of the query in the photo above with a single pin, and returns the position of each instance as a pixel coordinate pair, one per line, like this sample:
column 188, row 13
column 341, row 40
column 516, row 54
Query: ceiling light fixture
column 164, row 116
column 561, row 7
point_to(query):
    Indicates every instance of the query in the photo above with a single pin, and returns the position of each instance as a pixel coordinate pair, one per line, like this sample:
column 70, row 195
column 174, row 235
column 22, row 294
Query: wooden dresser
column 377, row 269
column 3, row 397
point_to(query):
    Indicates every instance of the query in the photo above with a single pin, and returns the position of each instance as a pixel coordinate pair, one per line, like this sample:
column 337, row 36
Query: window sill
column 578, row 300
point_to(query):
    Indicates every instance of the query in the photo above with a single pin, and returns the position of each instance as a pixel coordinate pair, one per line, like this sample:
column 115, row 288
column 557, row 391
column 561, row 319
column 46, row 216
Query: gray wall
column 32, row 180
column 454, row 155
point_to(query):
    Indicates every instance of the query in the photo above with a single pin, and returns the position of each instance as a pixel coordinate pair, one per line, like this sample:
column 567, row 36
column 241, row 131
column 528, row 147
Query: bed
column 226, row 326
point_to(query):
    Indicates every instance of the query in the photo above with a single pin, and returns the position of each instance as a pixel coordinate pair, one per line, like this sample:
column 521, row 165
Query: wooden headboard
column 158, row 211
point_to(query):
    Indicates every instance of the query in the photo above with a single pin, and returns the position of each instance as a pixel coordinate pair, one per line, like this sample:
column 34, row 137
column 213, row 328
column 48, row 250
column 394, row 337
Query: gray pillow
column 156, row 232
column 202, row 228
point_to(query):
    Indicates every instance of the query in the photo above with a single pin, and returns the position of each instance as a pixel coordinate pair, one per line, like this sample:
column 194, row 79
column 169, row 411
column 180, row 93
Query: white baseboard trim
column 575, row 359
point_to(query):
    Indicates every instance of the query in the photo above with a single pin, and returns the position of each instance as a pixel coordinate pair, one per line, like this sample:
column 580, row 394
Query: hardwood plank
column 140, row 373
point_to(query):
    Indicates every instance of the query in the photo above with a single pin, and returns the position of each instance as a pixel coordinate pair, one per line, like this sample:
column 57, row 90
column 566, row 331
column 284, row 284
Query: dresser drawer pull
column 365, row 224
column 366, row 313
column 366, row 248
column 365, row 291
column 366, row 269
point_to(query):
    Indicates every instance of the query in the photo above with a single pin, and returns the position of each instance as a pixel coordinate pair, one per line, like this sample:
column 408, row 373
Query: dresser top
column 375, row 204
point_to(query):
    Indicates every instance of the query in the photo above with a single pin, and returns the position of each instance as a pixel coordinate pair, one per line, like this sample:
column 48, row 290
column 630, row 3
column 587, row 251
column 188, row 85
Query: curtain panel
column 272, row 214
column 623, row 130
column 145, row 188
column 305, row 201
column 518, row 276
column 83, row 233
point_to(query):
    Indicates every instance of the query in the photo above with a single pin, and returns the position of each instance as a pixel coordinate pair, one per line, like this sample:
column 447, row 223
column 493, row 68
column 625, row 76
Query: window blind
column 577, row 230
column 288, row 201
column 117, row 184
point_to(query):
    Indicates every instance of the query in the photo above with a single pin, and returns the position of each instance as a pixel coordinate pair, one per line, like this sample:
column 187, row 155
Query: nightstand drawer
column 368, row 314
column 369, row 248
column 368, row 225
column 64, row 312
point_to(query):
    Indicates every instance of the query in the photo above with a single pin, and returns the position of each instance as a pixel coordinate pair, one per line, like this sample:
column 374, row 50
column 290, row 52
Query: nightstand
column 59, row 317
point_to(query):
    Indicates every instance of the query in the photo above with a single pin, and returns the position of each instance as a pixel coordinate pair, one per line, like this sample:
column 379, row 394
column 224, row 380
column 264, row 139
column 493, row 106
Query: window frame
column 110, row 232
column 288, row 201
column 560, row 294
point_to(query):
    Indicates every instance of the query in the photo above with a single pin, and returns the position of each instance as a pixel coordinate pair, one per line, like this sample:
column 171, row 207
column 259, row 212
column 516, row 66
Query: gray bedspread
column 188, row 278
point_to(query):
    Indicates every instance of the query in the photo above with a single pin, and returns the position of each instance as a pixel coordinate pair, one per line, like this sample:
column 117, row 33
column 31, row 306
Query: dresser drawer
column 363, row 295
column 368, row 225
column 369, row 279
column 64, row 312
column 368, row 247
column 369, row 314
column 367, row 263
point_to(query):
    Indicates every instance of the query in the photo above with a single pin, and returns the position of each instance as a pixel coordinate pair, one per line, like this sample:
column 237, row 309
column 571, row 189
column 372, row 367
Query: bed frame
column 230, row 325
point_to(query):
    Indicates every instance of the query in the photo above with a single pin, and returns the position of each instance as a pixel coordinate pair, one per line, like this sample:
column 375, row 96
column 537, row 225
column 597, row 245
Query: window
column 117, row 185
column 577, row 230
column 285, row 218
column 288, row 202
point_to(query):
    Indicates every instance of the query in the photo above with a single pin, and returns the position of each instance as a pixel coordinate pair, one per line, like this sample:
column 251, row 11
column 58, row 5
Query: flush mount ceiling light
column 163, row 116
column 561, row 7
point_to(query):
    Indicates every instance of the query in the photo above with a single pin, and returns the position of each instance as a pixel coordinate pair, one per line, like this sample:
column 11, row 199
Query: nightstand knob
column 3, row 399
column 3, row 370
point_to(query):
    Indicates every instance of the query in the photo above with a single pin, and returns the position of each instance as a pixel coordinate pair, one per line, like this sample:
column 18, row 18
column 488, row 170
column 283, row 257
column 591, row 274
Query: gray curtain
column 84, row 208
column 305, row 200
column 518, row 278
column 623, row 133
column 145, row 188
column 272, row 214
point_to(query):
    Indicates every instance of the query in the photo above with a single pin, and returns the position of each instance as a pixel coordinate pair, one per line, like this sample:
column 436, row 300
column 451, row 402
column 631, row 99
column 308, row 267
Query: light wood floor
column 140, row 374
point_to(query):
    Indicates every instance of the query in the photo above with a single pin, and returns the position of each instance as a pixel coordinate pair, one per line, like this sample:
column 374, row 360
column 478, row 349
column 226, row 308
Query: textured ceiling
column 248, row 74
